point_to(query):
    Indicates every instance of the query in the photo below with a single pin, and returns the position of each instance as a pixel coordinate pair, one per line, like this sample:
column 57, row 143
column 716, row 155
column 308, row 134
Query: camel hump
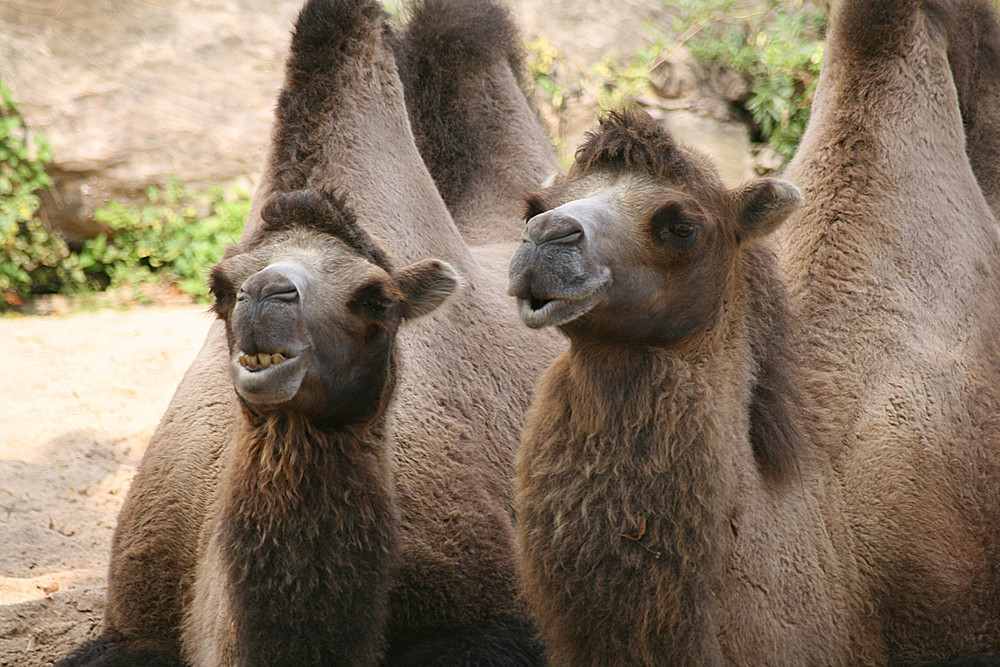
column 330, row 31
column 334, row 44
column 871, row 29
column 473, row 33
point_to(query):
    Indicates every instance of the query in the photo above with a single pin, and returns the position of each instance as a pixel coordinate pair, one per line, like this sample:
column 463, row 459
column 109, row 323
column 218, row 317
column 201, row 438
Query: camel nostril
column 276, row 282
column 553, row 228
column 280, row 292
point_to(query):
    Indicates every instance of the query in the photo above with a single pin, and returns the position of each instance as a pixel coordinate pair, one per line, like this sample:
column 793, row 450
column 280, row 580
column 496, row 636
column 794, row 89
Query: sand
column 80, row 396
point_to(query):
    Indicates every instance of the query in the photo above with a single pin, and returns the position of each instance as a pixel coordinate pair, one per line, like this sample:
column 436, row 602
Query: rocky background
column 131, row 92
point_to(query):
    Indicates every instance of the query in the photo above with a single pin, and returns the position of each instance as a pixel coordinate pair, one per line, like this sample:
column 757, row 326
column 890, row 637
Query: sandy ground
column 80, row 396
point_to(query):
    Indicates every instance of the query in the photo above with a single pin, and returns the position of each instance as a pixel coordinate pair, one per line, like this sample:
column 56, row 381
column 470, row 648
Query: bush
column 33, row 260
column 173, row 238
column 176, row 237
column 777, row 49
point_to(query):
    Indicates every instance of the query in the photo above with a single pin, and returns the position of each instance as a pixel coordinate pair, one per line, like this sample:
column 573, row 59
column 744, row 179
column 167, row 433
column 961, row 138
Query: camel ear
column 426, row 285
column 761, row 206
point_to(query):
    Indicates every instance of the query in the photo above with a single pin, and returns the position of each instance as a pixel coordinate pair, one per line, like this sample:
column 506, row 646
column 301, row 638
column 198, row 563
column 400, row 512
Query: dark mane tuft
column 776, row 429
column 324, row 213
column 631, row 139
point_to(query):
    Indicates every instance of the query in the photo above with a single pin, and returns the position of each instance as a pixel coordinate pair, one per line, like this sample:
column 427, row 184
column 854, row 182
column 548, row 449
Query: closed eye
column 372, row 301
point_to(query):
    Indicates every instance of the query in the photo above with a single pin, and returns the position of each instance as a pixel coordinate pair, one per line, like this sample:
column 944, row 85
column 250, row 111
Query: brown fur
column 462, row 67
column 646, row 468
column 317, row 508
column 974, row 56
column 464, row 378
column 892, row 267
column 632, row 141
column 305, row 209
column 649, row 532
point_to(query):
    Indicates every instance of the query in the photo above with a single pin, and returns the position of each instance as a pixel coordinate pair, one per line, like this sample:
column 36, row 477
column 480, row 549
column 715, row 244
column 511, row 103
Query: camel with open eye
column 665, row 482
column 301, row 543
column 196, row 570
column 762, row 453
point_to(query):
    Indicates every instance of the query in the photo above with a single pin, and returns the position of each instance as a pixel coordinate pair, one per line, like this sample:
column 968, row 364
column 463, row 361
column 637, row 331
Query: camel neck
column 307, row 537
column 622, row 467
column 632, row 461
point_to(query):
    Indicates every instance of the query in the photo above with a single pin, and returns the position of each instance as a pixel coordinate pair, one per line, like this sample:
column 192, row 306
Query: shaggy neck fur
column 628, row 472
column 308, row 538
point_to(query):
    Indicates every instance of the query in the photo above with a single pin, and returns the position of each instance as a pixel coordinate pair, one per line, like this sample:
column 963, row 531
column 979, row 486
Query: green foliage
column 610, row 83
column 173, row 238
column 777, row 49
column 546, row 67
column 176, row 238
column 392, row 9
column 619, row 81
column 32, row 259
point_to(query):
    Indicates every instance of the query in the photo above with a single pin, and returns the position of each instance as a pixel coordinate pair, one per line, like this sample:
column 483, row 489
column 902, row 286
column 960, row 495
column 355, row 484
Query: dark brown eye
column 682, row 229
column 676, row 225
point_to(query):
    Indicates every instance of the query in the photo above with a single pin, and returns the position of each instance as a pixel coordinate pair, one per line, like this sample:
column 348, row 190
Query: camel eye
column 675, row 225
column 372, row 301
column 682, row 229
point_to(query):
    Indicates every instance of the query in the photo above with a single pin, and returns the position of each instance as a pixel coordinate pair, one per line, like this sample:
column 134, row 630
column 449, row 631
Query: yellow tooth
column 277, row 359
column 265, row 360
column 243, row 360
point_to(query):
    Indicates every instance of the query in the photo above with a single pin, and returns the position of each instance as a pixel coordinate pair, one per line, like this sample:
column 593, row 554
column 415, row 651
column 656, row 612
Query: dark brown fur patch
column 534, row 204
column 327, row 214
column 867, row 30
column 448, row 45
column 631, row 139
column 328, row 34
column 776, row 432
column 308, row 537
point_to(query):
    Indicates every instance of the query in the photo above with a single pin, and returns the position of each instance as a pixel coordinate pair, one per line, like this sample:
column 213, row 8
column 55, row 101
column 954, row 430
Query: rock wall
column 130, row 92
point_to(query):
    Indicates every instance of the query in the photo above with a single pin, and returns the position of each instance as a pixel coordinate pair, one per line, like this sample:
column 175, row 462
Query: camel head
column 638, row 241
column 312, row 306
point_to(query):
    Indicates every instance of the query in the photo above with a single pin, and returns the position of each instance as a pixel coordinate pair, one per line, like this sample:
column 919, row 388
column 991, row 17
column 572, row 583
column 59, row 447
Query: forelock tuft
column 631, row 139
column 319, row 212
